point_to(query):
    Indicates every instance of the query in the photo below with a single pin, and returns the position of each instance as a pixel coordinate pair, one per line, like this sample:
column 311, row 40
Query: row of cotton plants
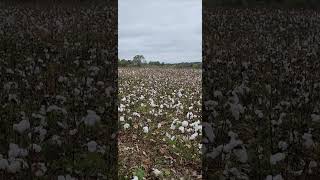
column 261, row 94
column 53, row 75
column 160, row 122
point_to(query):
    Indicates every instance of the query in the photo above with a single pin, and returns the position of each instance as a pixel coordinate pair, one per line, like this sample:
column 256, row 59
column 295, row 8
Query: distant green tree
column 124, row 63
column 138, row 60
column 156, row 63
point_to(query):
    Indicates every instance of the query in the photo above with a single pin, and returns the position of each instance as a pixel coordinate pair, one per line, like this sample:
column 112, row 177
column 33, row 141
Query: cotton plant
column 63, row 100
column 158, row 109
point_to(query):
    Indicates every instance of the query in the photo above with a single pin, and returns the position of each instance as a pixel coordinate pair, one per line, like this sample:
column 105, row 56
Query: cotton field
column 160, row 123
column 261, row 94
column 53, row 72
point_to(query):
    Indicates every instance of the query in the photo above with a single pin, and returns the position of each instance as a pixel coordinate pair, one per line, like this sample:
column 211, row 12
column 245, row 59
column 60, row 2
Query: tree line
column 140, row 61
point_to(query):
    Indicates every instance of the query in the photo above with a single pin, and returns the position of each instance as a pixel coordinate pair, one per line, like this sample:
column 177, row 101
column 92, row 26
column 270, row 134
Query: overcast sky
column 164, row 30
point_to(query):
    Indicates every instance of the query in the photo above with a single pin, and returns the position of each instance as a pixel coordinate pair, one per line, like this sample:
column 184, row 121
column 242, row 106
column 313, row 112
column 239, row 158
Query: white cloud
column 165, row 30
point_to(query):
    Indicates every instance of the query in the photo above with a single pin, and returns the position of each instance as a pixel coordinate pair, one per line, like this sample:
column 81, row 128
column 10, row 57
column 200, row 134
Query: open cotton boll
column 92, row 146
column 181, row 129
column 15, row 151
column 14, row 166
column 189, row 115
column 276, row 177
column 215, row 152
column 259, row 113
column 91, row 119
column 21, row 126
column 282, row 145
column 156, row 172
column 40, row 169
column 126, row 126
column 73, row 132
column 276, row 158
column 208, row 129
column 217, row 93
column 56, row 108
column 236, row 110
column 313, row 164
column 146, row 129
column 121, row 119
column 3, row 163
column 308, row 142
column 315, row 117
column 67, row 177
column 36, row 148
column 241, row 155
column 136, row 114
column 194, row 136
column 185, row 123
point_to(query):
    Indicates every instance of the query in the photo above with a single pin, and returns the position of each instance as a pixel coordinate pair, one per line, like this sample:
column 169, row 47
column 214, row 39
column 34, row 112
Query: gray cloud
column 165, row 30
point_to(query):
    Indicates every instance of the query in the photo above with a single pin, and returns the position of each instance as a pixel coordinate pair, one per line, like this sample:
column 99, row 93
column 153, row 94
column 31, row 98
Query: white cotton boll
column 92, row 118
column 36, row 148
column 231, row 145
column 156, row 172
column 42, row 133
column 315, row 117
column 41, row 169
column 193, row 136
column 60, row 177
column 14, row 166
column 269, row 177
column 126, row 126
column 185, row 123
column 189, row 115
column 61, row 98
column 181, row 129
column 92, row 146
column 21, row 126
column 159, row 125
column 136, row 114
column 76, row 92
column 56, row 140
column 56, row 108
column 146, row 129
column 73, row 132
column 282, row 145
column 3, row 164
column 259, row 113
column 173, row 138
column 308, row 142
column 312, row 164
column 135, row 178
column 14, row 150
column 208, row 129
column 121, row 119
column 173, row 127
column 217, row 94
column 276, row 158
column 241, row 154
column 67, row 177
column 277, row 177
